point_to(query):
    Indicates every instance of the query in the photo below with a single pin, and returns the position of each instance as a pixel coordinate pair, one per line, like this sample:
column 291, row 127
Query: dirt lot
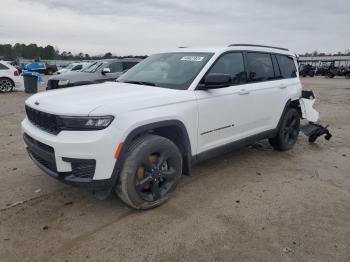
column 254, row 204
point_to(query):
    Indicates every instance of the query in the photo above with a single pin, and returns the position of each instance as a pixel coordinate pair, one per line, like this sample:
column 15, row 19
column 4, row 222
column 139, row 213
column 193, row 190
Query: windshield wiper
column 140, row 83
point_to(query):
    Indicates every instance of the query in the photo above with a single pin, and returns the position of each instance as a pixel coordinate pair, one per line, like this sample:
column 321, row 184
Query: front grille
column 43, row 146
column 52, row 84
column 45, row 121
column 49, row 165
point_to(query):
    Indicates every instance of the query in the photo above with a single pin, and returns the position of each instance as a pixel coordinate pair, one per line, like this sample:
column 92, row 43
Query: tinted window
column 260, row 67
column 116, row 67
column 276, row 68
column 3, row 67
column 287, row 66
column 128, row 65
column 231, row 64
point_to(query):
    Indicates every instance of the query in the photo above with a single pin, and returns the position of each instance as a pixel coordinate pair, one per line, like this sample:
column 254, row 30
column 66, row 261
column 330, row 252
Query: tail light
column 16, row 73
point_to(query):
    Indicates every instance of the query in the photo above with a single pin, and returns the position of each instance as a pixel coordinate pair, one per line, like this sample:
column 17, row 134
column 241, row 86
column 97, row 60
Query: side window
column 77, row 67
column 260, row 67
column 116, row 67
column 231, row 64
column 3, row 67
column 128, row 65
column 287, row 66
column 276, row 68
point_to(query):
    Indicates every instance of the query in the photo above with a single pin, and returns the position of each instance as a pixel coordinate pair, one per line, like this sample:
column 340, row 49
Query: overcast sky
column 147, row 26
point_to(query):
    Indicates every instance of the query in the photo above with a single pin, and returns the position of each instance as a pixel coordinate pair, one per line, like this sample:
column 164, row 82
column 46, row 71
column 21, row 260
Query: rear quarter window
column 287, row 66
column 3, row 67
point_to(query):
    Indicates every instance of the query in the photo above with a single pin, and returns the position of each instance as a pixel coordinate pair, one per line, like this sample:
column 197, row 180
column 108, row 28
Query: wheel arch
column 8, row 78
column 296, row 104
column 286, row 106
column 174, row 130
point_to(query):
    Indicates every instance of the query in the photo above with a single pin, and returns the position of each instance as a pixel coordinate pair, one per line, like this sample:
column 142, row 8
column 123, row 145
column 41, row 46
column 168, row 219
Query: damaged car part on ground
column 169, row 112
column 312, row 129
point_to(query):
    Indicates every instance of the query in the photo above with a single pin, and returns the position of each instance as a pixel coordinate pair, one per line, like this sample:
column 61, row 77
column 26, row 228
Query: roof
column 246, row 47
column 129, row 59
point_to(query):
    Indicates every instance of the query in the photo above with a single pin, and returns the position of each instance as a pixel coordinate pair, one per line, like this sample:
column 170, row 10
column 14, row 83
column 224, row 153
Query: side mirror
column 105, row 71
column 212, row 81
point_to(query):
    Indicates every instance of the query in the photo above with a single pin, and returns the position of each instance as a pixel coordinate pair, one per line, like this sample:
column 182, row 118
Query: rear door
column 267, row 90
column 288, row 69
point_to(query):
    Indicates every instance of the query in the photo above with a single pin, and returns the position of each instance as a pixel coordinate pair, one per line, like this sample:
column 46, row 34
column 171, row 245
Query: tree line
column 33, row 51
column 316, row 53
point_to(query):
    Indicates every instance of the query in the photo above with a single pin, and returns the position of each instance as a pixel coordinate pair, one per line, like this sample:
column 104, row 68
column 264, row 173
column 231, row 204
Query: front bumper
column 82, row 169
column 69, row 151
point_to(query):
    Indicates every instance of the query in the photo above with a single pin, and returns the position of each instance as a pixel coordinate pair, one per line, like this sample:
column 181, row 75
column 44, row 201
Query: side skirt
column 233, row 146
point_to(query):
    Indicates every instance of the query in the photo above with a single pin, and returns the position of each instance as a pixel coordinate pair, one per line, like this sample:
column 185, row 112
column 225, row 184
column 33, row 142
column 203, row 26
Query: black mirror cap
column 212, row 81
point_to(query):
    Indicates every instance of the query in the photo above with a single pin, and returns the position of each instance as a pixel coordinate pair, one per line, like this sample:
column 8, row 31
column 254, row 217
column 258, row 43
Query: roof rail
column 274, row 47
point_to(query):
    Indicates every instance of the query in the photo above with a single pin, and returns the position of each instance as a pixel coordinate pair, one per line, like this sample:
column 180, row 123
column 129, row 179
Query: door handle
column 243, row 92
column 282, row 86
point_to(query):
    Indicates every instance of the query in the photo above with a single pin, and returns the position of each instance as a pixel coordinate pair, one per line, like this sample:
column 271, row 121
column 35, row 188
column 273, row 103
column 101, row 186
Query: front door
column 223, row 112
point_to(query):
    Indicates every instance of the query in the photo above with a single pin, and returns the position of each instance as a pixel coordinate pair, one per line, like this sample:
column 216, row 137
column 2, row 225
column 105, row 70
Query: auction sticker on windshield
column 192, row 58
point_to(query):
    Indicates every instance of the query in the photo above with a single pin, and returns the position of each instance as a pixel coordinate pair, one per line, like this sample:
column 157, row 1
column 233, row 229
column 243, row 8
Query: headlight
column 63, row 82
column 84, row 123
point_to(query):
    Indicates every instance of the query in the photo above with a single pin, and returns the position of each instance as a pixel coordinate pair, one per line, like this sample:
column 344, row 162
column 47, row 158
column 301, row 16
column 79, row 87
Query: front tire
column 151, row 171
column 288, row 131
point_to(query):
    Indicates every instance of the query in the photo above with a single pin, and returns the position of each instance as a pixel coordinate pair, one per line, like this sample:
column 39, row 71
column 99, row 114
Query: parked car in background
column 97, row 72
column 73, row 67
column 307, row 70
column 9, row 77
column 347, row 73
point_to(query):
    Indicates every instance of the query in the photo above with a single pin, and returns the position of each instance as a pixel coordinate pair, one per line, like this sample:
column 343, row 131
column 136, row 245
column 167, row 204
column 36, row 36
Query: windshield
column 169, row 70
column 93, row 67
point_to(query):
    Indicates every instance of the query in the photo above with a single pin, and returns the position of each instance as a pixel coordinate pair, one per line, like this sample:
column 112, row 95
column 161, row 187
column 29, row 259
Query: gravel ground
column 254, row 204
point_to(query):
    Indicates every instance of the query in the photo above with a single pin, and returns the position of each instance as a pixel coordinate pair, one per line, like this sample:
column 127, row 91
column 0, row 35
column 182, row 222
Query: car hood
column 74, row 76
column 107, row 98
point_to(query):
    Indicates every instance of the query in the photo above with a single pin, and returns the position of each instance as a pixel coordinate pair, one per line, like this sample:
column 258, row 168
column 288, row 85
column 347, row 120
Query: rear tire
column 288, row 131
column 151, row 171
column 6, row 85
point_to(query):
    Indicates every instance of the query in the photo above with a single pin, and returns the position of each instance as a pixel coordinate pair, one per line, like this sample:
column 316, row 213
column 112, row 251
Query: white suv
column 172, row 110
column 9, row 77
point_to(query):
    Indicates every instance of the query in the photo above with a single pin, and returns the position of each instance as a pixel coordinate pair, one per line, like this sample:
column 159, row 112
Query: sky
column 138, row 27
